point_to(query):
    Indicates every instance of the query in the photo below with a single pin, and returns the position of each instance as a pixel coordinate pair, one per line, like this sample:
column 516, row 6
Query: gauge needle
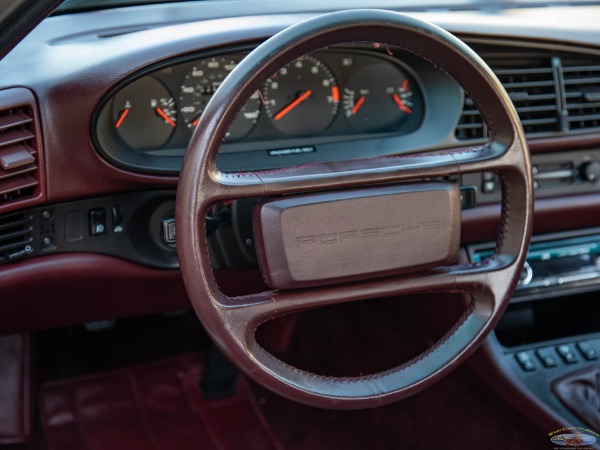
column 293, row 104
column 163, row 114
column 401, row 105
column 358, row 104
column 196, row 120
column 122, row 117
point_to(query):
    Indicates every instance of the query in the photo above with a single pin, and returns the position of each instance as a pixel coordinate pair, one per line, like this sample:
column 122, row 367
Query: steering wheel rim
column 232, row 322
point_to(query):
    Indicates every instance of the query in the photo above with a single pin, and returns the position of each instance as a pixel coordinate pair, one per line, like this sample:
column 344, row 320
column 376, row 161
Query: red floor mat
column 154, row 406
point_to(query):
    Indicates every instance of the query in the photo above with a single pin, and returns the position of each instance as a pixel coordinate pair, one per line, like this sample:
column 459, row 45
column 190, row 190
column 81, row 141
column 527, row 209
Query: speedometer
column 302, row 98
column 200, row 84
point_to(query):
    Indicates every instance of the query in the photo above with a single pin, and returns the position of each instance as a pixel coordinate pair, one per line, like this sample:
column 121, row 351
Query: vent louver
column 21, row 162
column 16, row 236
column 530, row 83
column 533, row 92
column 582, row 93
column 555, row 92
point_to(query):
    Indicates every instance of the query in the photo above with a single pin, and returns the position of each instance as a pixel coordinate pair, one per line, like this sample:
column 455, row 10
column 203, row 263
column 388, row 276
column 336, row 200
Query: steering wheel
column 290, row 228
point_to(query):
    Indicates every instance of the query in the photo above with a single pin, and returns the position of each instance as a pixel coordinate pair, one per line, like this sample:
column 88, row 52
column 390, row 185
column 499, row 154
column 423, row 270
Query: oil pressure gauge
column 144, row 114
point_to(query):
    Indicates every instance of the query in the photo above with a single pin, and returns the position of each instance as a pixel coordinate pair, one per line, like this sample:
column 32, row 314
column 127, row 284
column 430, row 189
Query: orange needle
column 293, row 104
column 162, row 114
column 196, row 120
column 402, row 106
column 122, row 117
column 357, row 105
column 405, row 85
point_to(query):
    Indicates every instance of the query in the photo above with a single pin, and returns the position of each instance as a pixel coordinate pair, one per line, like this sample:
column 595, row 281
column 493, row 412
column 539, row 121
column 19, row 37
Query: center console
column 551, row 328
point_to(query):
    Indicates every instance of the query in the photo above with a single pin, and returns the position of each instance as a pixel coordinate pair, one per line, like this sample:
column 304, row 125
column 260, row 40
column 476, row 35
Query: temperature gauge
column 145, row 114
column 378, row 103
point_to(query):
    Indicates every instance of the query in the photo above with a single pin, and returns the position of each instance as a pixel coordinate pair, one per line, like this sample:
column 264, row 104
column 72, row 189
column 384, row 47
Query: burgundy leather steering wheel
column 232, row 322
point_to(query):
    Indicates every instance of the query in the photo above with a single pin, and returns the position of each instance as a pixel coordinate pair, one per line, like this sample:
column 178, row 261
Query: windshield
column 71, row 6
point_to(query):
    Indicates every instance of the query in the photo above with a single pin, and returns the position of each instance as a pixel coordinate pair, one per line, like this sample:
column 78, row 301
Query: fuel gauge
column 144, row 114
column 378, row 103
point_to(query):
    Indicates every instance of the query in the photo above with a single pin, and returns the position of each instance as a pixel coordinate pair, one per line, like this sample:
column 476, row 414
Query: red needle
column 358, row 103
column 402, row 106
column 293, row 104
column 162, row 114
column 196, row 120
column 122, row 117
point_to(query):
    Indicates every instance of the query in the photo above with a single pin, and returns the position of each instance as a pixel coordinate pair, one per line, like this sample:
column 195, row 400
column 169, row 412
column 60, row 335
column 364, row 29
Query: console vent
column 21, row 162
column 16, row 236
column 582, row 93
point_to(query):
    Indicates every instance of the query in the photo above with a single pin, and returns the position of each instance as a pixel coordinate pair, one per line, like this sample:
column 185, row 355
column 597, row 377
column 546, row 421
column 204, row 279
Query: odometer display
column 200, row 84
column 302, row 98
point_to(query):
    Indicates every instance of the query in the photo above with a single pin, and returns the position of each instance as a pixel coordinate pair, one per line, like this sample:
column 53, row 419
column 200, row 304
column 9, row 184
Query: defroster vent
column 21, row 161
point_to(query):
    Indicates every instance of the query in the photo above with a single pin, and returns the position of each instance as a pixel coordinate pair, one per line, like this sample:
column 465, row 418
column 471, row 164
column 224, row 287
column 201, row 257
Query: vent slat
column 15, row 136
column 15, row 156
column 528, row 84
column 582, row 80
column 580, row 117
column 14, row 235
column 17, row 183
column 16, row 245
column 529, row 71
column 21, row 222
column 572, row 69
column 542, row 121
column 20, row 171
column 531, row 109
column 14, row 120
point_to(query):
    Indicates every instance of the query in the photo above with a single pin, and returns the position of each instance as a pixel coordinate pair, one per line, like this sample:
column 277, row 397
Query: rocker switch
column 97, row 221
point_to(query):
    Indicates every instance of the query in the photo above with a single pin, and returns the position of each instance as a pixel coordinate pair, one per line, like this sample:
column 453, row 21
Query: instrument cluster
column 331, row 93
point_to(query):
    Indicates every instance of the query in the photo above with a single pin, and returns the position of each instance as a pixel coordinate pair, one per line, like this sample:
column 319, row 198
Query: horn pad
column 328, row 238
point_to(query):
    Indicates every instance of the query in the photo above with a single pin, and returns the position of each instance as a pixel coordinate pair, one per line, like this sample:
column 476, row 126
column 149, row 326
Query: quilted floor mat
column 152, row 406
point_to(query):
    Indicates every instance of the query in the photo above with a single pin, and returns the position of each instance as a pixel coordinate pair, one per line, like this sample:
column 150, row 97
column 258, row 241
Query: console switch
column 525, row 361
column 587, row 351
column 97, row 221
column 567, row 353
column 546, row 356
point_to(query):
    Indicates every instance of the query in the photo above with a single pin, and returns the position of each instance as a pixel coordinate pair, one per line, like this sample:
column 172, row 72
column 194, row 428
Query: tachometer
column 302, row 98
column 200, row 84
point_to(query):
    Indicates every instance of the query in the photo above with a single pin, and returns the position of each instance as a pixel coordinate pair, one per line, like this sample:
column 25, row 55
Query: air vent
column 470, row 125
column 16, row 236
column 533, row 92
column 582, row 93
column 21, row 162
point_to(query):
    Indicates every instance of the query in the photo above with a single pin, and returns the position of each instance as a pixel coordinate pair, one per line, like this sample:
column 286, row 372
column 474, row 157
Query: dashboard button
column 567, row 353
column 526, row 361
column 97, row 221
column 547, row 357
column 588, row 352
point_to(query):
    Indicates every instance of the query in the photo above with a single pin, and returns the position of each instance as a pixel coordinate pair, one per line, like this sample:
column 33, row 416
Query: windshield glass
column 71, row 6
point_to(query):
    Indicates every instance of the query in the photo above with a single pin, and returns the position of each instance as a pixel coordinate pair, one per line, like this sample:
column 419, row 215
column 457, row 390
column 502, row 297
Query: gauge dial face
column 147, row 105
column 198, row 87
column 302, row 98
column 378, row 98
